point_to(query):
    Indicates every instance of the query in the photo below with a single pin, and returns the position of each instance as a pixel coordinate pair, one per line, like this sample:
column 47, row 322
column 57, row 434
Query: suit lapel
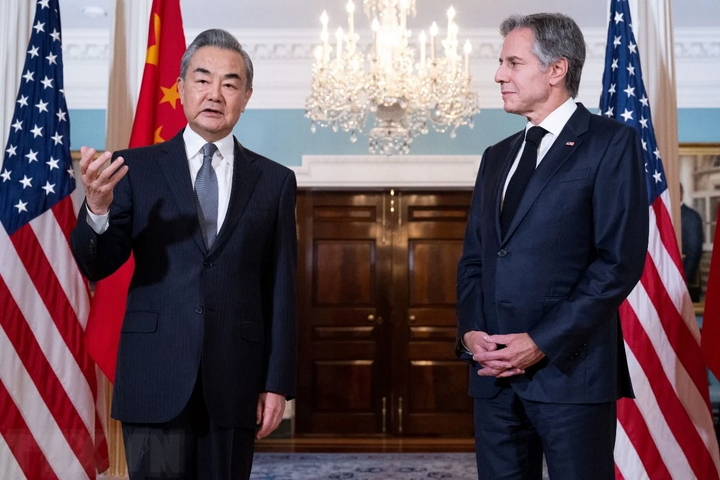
column 565, row 145
column 174, row 167
column 245, row 178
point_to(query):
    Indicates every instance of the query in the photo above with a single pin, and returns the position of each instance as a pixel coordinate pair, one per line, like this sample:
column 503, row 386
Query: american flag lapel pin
column 569, row 144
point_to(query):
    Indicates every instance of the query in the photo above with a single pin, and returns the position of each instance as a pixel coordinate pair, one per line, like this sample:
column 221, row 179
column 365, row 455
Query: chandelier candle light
column 405, row 97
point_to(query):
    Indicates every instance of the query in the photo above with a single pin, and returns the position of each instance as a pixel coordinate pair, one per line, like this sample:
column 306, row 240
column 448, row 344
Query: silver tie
column 206, row 196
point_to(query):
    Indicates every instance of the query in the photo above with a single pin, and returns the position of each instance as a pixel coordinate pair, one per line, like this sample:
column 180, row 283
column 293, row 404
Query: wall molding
column 283, row 59
column 376, row 171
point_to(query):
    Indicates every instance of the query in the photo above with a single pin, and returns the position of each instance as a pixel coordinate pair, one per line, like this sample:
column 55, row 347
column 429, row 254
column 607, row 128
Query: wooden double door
column 376, row 283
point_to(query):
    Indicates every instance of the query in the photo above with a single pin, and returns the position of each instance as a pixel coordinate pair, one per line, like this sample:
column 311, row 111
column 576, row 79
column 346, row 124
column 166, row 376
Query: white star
column 610, row 113
column 17, row 125
column 657, row 176
column 39, row 27
column 26, row 182
column 611, row 90
column 12, row 151
column 57, row 138
column 29, row 76
column 62, row 90
column 37, row 131
column 646, row 167
column 632, row 47
column 42, row 107
column 49, row 188
column 53, row 164
column 614, row 65
column 617, row 41
column 43, row 3
column 627, row 114
column 631, row 69
column 32, row 156
column 55, row 35
column 51, row 59
column 34, row 52
column 644, row 101
column 5, row 175
column 630, row 91
column 644, row 147
column 21, row 206
column 643, row 121
column 71, row 172
column 657, row 153
column 61, row 116
column 47, row 82
column 23, row 101
column 619, row 17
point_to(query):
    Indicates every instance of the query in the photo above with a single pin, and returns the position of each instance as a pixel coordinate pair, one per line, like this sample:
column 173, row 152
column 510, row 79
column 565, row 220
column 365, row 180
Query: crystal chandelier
column 406, row 94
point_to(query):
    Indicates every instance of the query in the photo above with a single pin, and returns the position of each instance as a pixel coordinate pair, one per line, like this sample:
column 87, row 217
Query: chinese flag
column 158, row 117
column 711, row 317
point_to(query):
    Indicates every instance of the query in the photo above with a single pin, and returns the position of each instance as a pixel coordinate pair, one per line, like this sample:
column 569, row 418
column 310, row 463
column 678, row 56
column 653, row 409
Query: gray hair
column 217, row 38
column 556, row 36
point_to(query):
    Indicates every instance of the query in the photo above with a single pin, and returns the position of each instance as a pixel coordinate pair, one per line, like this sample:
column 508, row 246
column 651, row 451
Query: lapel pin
column 569, row 144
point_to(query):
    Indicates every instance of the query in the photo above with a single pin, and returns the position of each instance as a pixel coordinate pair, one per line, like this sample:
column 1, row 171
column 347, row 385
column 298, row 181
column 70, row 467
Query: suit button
column 199, row 309
column 502, row 253
column 209, row 264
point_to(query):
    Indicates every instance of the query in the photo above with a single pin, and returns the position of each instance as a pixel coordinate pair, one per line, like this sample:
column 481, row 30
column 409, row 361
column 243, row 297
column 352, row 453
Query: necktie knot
column 534, row 135
column 208, row 150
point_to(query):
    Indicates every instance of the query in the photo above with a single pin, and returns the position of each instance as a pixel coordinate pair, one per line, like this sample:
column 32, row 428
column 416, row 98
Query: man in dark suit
column 208, row 343
column 692, row 244
column 556, row 239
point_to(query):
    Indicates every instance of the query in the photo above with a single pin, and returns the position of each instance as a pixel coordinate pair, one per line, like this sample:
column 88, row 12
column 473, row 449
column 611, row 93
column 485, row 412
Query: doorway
column 376, row 304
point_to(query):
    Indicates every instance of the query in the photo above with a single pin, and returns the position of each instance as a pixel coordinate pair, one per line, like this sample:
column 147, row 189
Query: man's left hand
column 520, row 351
column 270, row 410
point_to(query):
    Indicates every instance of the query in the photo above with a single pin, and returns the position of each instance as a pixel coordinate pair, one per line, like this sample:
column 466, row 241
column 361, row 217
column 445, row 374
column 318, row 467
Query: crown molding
column 283, row 60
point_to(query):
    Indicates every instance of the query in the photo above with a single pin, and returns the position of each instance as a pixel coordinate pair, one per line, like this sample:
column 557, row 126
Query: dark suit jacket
column 231, row 310
column 575, row 249
column 692, row 240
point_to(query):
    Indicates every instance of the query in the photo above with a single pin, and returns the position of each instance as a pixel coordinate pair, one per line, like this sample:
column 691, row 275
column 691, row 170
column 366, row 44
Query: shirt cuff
column 99, row 223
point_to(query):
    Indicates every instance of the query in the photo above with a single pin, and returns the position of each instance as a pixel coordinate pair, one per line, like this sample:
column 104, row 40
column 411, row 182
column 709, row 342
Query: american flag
column 49, row 427
column 667, row 430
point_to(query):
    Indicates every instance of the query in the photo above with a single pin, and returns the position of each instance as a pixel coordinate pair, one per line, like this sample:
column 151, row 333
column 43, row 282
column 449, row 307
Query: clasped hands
column 502, row 356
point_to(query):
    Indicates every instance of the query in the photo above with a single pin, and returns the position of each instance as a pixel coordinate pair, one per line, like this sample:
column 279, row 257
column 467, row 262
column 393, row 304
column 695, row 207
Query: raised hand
column 99, row 182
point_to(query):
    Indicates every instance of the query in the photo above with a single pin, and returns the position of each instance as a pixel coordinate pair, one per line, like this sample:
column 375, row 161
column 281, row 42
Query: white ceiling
column 304, row 14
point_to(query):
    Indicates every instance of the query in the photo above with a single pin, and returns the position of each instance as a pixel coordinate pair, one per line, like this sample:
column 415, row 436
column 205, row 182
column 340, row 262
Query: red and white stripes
column 667, row 431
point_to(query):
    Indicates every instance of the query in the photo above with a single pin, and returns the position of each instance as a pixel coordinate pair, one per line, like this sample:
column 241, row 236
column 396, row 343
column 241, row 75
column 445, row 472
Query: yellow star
column 170, row 95
column 153, row 51
column 158, row 138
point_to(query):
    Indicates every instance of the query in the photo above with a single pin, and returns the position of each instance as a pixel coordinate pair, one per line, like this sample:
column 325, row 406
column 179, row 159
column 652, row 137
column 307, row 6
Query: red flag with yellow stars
column 158, row 117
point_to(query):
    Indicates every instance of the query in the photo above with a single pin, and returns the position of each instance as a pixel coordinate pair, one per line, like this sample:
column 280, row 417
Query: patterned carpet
column 364, row 466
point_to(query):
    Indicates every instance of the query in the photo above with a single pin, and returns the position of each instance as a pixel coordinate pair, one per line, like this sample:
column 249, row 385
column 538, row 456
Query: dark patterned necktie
column 521, row 177
column 206, row 196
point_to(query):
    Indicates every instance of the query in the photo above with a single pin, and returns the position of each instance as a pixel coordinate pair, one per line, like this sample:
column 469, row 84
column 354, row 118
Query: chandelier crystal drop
column 407, row 94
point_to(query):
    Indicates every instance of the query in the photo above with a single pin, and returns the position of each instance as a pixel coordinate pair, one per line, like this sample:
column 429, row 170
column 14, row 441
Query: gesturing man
column 208, row 343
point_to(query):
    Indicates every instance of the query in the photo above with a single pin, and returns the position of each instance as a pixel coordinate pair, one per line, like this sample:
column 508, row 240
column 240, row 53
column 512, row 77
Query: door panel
column 342, row 344
column 426, row 252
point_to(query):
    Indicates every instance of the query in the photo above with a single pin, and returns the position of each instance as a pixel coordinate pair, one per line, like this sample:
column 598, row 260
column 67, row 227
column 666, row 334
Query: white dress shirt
column 553, row 123
column 222, row 162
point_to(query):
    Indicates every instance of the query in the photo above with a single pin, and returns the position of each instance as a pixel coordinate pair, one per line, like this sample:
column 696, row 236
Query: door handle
column 371, row 319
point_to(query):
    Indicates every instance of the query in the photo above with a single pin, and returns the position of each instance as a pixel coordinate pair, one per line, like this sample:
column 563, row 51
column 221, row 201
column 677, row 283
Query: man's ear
column 181, row 90
column 558, row 71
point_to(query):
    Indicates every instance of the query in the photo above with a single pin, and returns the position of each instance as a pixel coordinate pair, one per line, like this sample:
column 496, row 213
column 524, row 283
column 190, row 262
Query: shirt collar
column 194, row 144
column 555, row 122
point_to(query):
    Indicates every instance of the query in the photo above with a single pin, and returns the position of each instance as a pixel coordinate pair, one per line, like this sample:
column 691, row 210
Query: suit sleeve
column 281, row 350
column 620, row 233
column 100, row 255
column 469, row 272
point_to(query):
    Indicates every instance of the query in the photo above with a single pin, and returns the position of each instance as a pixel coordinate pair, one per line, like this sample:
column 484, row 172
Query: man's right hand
column 474, row 341
column 98, row 182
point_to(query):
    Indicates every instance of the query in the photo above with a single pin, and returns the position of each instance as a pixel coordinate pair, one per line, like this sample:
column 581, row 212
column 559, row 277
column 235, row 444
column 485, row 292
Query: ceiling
column 304, row 14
